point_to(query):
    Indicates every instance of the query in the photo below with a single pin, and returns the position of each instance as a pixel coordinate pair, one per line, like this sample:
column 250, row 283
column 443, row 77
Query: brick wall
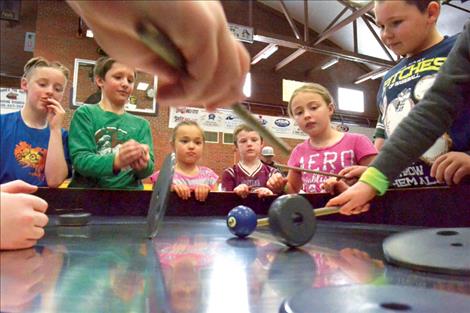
column 12, row 34
column 57, row 39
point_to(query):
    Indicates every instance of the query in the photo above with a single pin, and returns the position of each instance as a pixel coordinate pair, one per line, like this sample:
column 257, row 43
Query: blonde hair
column 239, row 129
column 38, row 62
column 187, row 123
column 313, row 88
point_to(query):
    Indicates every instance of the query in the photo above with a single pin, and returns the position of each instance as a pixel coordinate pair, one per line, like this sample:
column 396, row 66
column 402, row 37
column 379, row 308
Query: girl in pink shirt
column 326, row 150
column 188, row 142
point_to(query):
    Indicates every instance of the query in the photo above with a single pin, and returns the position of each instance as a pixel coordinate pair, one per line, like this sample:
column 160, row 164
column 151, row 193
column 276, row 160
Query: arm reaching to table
column 433, row 116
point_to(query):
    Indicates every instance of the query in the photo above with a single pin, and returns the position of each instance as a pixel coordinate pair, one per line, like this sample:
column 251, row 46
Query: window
column 228, row 139
column 288, row 88
column 211, row 137
column 247, row 86
column 350, row 100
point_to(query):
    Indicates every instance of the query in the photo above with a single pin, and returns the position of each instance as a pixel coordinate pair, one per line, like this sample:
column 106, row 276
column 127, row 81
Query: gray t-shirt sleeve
column 434, row 114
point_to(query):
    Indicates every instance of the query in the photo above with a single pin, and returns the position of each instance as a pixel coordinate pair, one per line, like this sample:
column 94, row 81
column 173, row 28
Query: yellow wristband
column 376, row 179
column 285, row 189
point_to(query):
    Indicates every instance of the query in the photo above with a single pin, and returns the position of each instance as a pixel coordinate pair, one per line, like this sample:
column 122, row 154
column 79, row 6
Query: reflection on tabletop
column 29, row 277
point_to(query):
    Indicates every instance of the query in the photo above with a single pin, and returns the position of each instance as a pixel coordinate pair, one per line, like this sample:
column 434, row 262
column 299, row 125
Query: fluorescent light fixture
column 372, row 75
column 360, row 2
column 380, row 74
column 270, row 51
column 265, row 53
column 362, row 79
column 89, row 33
column 247, row 86
column 142, row 86
column 330, row 63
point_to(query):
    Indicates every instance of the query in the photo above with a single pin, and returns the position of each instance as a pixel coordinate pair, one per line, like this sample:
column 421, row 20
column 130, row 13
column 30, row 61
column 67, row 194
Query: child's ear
column 433, row 11
column 24, row 84
column 331, row 109
column 99, row 81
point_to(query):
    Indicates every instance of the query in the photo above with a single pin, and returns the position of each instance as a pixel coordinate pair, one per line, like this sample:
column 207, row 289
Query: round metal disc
column 291, row 220
column 160, row 196
column 371, row 299
column 439, row 250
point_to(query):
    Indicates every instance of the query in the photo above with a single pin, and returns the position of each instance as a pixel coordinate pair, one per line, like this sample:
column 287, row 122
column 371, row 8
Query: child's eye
column 59, row 89
column 396, row 23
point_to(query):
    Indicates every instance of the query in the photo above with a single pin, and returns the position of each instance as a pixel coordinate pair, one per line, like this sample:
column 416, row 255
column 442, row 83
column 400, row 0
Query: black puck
column 74, row 219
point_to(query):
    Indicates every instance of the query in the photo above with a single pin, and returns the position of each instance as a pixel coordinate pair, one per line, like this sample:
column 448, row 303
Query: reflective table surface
column 194, row 265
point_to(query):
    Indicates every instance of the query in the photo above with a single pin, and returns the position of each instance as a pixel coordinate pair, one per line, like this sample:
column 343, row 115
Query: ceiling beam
column 370, row 19
column 372, row 30
column 289, row 59
column 264, row 54
column 290, row 20
column 370, row 75
column 344, row 22
column 298, row 52
column 355, row 36
column 369, row 15
column 333, row 21
column 289, row 42
column 455, row 6
column 306, row 27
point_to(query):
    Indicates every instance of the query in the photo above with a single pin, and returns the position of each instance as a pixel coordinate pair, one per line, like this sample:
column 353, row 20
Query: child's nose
column 386, row 33
column 50, row 91
column 125, row 83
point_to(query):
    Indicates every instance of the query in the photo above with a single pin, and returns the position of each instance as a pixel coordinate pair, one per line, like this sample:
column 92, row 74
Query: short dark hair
column 239, row 129
column 102, row 66
column 422, row 5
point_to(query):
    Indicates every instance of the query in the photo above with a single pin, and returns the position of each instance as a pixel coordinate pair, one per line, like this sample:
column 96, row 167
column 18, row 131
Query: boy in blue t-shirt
column 409, row 29
column 444, row 104
column 33, row 142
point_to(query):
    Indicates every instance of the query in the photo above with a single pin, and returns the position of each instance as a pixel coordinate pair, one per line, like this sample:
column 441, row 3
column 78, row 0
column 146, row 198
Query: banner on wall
column 11, row 100
column 225, row 121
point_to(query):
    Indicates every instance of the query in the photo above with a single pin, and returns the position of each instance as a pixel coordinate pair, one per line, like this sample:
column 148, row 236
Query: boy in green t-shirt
column 109, row 147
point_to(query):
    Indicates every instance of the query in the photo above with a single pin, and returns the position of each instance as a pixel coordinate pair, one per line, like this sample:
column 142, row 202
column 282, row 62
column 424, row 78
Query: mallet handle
column 160, row 44
column 317, row 212
column 299, row 169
